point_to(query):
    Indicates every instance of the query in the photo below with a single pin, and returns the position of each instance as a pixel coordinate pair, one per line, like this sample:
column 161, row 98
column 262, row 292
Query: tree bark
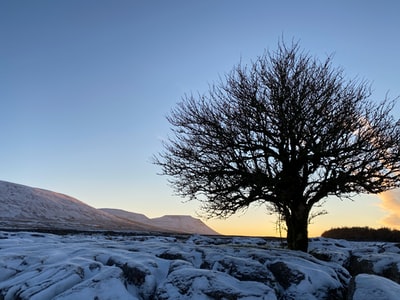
column 297, row 232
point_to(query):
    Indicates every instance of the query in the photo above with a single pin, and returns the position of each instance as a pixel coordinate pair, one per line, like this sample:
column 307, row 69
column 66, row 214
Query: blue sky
column 85, row 87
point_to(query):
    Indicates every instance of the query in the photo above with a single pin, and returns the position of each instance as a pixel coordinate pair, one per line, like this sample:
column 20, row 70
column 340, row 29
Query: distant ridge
column 123, row 214
column 179, row 222
column 363, row 234
column 175, row 223
column 24, row 207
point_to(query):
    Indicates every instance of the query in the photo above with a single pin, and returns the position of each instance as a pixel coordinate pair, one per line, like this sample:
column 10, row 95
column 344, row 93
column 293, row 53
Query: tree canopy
column 288, row 130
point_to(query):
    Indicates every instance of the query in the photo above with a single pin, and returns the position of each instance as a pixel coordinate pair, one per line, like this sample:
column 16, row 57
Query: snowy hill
column 123, row 214
column 174, row 223
column 183, row 223
column 27, row 207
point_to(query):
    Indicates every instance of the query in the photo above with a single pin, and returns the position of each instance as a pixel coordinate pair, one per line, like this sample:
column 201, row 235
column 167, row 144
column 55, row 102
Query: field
column 144, row 266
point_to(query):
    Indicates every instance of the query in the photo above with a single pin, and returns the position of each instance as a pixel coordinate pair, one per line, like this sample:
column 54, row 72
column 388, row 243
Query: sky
column 85, row 86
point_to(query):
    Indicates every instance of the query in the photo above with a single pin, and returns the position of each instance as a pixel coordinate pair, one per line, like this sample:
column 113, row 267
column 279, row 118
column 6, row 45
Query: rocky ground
column 100, row 266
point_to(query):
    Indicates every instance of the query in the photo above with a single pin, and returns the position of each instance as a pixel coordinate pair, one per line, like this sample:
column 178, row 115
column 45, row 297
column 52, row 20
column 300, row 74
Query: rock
column 186, row 267
column 244, row 269
column 171, row 255
column 291, row 274
column 379, row 258
column 304, row 277
column 53, row 281
column 139, row 274
column 191, row 283
column 385, row 264
column 373, row 287
column 286, row 276
column 338, row 251
column 108, row 284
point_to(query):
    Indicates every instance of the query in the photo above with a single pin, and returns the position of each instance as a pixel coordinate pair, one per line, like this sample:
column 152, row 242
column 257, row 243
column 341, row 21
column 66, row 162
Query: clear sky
column 85, row 86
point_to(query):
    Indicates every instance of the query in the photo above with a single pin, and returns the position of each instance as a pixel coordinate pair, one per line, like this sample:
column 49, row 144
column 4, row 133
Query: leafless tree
column 288, row 130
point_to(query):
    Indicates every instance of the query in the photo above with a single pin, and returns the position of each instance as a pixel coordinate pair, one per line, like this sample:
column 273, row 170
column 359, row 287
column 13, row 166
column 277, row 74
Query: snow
column 136, row 261
column 179, row 222
column 27, row 207
column 375, row 287
column 103, row 266
column 174, row 223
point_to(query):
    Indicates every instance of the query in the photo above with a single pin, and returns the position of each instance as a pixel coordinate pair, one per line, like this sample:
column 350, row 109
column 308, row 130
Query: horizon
column 86, row 86
column 233, row 233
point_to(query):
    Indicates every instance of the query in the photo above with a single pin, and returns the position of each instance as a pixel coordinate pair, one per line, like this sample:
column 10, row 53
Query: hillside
column 174, row 223
column 26, row 207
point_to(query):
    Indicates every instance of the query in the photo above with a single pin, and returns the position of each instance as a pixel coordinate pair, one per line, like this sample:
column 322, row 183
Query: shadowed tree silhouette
column 286, row 131
column 363, row 234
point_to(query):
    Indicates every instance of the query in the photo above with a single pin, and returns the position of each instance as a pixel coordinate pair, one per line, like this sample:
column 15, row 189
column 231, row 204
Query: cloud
column 391, row 204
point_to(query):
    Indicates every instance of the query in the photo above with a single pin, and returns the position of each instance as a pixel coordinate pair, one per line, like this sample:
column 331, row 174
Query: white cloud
column 391, row 204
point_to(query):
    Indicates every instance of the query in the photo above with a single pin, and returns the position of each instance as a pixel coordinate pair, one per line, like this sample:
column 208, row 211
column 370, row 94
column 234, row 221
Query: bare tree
column 288, row 131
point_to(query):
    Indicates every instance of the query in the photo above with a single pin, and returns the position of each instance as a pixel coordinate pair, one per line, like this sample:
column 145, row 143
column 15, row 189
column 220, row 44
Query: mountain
column 123, row 214
column 184, row 223
column 174, row 223
column 24, row 207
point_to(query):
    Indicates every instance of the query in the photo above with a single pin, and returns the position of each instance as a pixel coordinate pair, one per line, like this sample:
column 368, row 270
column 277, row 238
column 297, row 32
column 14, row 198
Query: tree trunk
column 297, row 228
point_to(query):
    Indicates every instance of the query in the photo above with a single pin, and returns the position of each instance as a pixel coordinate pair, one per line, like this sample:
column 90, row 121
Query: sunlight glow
column 391, row 204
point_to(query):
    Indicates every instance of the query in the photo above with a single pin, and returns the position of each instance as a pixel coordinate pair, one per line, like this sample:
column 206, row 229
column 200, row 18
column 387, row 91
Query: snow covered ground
column 100, row 266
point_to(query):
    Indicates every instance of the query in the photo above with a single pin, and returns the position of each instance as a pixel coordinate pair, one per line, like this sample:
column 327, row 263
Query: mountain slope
column 24, row 207
column 123, row 214
column 175, row 223
column 186, row 223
